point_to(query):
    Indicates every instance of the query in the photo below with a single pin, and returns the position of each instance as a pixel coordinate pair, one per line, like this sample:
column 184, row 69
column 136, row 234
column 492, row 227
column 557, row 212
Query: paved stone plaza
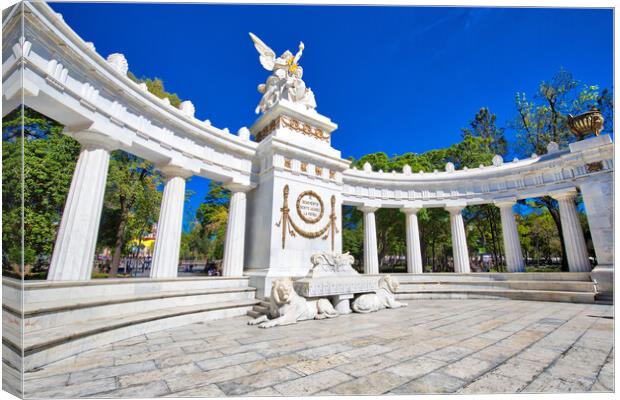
column 432, row 346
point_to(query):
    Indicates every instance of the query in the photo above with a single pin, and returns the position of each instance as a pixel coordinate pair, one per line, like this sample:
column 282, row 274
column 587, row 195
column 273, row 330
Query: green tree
column 156, row 86
column 49, row 159
column 544, row 119
column 434, row 226
column 131, row 204
column 212, row 217
column 484, row 125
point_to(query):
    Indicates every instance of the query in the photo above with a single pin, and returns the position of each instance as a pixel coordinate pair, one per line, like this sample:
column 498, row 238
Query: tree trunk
column 433, row 255
column 555, row 214
column 118, row 245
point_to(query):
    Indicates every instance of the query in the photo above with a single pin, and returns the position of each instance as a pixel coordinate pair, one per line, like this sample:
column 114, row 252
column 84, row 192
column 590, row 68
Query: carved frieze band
column 293, row 124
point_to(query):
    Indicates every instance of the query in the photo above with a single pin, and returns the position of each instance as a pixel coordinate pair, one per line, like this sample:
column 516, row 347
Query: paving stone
column 106, row 372
column 151, row 389
column 83, row 389
column 450, row 353
column 86, row 361
column 183, row 358
column 34, row 385
column 126, row 380
column 376, row 383
column 547, row 382
column 435, row 382
column 539, row 354
column 246, row 384
column 210, row 390
column 467, row 368
column 477, row 343
column 367, row 366
column 144, row 356
column 415, row 368
column 520, row 369
column 215, row 363
column 312, row 383
column 272, row 363
column 309, row 367
column 493, row 383
column 179, row 382
column 209, row 346
column 268, row 391
column 410, row 352
column 322, row 351
column 469, row 346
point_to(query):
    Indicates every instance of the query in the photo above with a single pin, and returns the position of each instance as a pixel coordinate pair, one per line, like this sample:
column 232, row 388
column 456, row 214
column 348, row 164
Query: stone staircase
column 262, row 308
column 573, row 287
column 61, row 319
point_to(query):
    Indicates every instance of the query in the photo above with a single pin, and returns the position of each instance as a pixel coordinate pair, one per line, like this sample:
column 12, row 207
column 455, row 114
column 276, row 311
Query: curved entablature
column 64, row 78
column 533, row 177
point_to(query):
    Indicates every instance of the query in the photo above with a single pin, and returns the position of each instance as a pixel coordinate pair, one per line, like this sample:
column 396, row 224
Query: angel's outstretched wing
column 267, row 56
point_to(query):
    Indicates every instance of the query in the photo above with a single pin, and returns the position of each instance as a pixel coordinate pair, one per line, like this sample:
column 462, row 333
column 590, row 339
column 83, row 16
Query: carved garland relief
column 310, row 209
column 294, row 124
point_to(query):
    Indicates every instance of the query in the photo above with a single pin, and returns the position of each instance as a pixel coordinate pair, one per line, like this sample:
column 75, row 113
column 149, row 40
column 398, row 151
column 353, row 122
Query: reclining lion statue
column 287, row 307
column 380, row 299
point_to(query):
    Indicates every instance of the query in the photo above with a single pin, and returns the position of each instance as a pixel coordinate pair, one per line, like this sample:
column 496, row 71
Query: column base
column 603, row 278
column 342, row 303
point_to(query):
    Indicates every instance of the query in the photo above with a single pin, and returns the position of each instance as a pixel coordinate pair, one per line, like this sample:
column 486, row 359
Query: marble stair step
column 254, row 314
column 70, row 313
column 537, row 295
column 564, row 286
column 45, row 339
column 496, row 276
column 40, row 308
column 79, row 291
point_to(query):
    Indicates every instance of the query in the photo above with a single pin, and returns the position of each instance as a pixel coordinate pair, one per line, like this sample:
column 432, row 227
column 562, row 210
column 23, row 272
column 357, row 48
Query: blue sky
column 395, row 79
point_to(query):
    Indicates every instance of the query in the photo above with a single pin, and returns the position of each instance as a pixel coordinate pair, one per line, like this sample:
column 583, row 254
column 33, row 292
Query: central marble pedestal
column 339, row 289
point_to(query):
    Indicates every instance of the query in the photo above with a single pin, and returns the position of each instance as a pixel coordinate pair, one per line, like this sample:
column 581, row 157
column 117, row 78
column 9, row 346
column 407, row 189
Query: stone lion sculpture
column 287, row 307
column 380, row 299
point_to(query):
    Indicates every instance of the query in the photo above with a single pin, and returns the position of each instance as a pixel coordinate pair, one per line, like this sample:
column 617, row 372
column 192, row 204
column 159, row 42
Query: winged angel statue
column 285, row 81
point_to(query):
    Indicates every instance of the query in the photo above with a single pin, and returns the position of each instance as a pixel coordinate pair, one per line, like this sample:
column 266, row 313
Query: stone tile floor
column 432, row 346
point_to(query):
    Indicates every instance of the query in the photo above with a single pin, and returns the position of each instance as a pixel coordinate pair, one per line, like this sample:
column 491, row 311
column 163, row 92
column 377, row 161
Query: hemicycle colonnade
column 104, row 110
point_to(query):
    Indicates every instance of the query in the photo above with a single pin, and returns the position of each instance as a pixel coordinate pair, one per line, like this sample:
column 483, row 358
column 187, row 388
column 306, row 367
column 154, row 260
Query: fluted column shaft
column 414, row 254
column 168, row 240
column 74, row 250
column 574, row 241
column 459, row 240
column 234, row 247
column 371, row 258
column 512, row 245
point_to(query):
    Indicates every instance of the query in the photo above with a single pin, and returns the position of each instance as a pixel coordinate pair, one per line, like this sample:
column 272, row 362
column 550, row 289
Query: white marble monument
column 295, row 211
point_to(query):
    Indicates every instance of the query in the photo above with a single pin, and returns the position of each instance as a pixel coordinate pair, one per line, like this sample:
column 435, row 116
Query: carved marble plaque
column 310, row 207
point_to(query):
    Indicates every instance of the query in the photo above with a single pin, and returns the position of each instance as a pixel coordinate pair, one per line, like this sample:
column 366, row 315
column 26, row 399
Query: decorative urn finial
column 589, row 122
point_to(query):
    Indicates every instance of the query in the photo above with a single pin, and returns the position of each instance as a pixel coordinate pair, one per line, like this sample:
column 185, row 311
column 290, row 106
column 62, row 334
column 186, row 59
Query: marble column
column 512, row 245
column 234, row 247
column 371, row 258
column 74, row 250
column 574, row 241
column 459, row 240
column 598, row 194
column 165, row 262
column 414, row 254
